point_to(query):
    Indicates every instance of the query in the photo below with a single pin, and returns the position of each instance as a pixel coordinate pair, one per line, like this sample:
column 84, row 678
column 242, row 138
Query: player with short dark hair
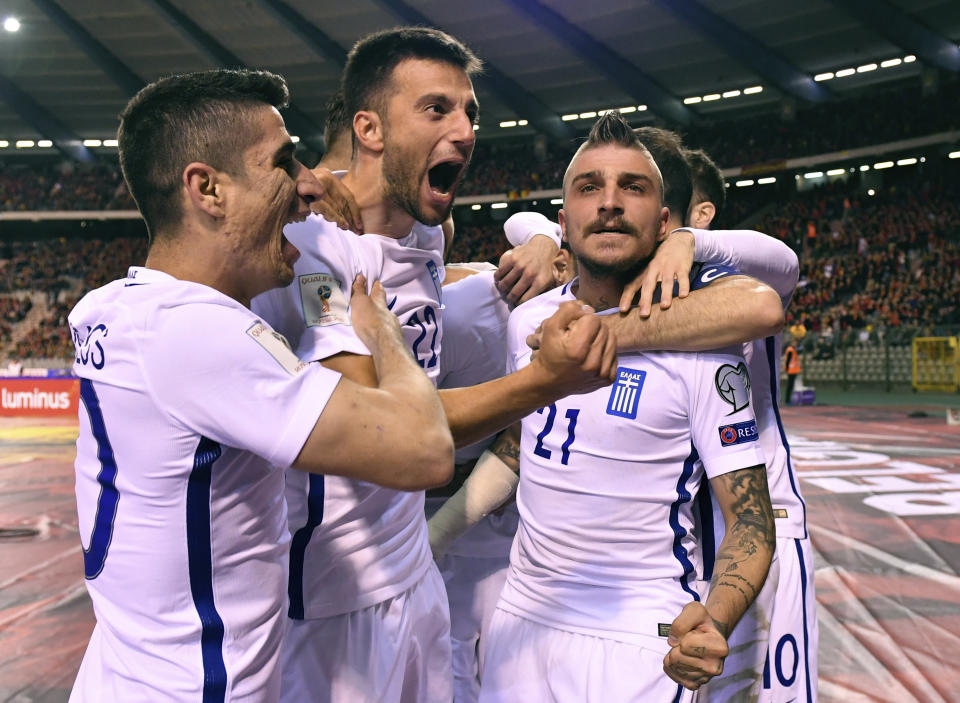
column 709, row 189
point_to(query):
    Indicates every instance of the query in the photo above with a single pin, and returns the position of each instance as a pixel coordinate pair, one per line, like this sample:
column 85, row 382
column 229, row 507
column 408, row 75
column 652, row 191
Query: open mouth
column 444, row 176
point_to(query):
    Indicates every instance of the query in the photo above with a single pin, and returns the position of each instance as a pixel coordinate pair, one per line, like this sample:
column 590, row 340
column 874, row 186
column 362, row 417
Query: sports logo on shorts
column 323, row 300
column 738, row 433
column 733, row 385
column 625, row 394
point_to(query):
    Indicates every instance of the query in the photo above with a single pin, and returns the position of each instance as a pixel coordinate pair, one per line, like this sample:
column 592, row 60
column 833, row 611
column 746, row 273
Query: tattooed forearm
column 747, row 547
column 507, row 447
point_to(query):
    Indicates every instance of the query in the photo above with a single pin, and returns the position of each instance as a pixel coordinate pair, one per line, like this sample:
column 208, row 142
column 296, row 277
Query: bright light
column 731, row 93
column 692, row 101
column 823, row 76
column 92, row 142
column 906, row 162
column 744, row 183
column 476, row 127
column 883, row 165
column 4, row 144
column 556, row 201
column 753, row 89
column 11, row 24
column 844, row 72
column 767, row 181
column 568, row 118
column 497, row 206
column 110, row 142
column 909, row 59
column 890, row 63
column 44, row 144
column 836, row 172
column 867, row 67
column 588, row 115
column 509, row 123
column 813, row 174
column 601, row 113
column 864, row 168
column 475, row 206
column 923, row 159
column 522, row 123
column 295, row 139
column 641, row 108
column 627, row 110
column 24, row 143
column 871, row 192
column 711, row 97
column 954, row 155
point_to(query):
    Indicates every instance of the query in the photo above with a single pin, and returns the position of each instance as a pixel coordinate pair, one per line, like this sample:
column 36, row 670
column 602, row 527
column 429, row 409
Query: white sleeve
column 221, row 372
column 518, row 328
column 722, row 421
column 752, row 253
column 521, row 227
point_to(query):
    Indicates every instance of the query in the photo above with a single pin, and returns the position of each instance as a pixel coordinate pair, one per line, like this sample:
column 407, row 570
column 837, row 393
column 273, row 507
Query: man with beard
column 190, row 401
column 368, row 612
column 602, row 572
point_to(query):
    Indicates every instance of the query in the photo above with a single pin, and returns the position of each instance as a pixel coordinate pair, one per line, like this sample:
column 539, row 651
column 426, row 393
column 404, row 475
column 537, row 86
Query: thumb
column 567, row 313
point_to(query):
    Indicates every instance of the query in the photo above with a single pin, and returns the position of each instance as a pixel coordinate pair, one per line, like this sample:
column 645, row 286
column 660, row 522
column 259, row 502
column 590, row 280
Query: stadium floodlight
column 11, row 24
column 497, row 206
column 568, row 118
column 641, row 108
column 890, row 63
column 867, row 67
column 836, row 172
column 882, row 165
column 744, row 183
column 522, row 123
column 731, row 93
column 4, row 143
column 865, row 168
column 587, row 115
column 844, row 72
column 909, row 59
column 24, row 143
column 627, row 110
column 766, row 181
column 813, row 174
column 692, row 101
column 92, row 142
column 476, row 127
column 556, row 201
column 954, row 155
column 45, row 144
column 110, row 142
column 508, row 123
column 475, row 206
column 871, row 192
column 753, row 90
column 823, row 76
column 295, row 139
column 906, row 162
column 711, row 97
column 601, row 113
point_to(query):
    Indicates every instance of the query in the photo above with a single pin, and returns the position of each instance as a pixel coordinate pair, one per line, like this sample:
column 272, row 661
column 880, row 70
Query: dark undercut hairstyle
column 180, row 119
column 708, row 183
column 667, row 151
column 337, row 122
column 612, row 128
column 370, row 63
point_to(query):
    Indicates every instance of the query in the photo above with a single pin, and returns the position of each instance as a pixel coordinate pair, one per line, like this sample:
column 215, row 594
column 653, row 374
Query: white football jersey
column 475, row 351
column 189, row 404
column 773, row 262
column 353, row 543
column 604, row 545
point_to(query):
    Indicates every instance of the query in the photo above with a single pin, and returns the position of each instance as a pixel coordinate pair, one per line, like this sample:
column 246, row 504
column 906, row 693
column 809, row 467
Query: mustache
column 616, row 223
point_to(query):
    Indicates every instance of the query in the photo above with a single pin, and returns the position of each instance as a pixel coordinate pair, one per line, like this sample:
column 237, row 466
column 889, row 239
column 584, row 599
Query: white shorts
column 473, row 589
column 742, row 678
column 790, row 673
column 526, row 661
column 397, row 651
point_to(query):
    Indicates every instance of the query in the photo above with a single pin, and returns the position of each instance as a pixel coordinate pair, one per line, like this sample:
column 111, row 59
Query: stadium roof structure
column 69, row 70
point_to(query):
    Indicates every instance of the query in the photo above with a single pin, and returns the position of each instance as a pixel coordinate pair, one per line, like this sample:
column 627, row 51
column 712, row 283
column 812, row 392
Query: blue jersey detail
column 708, row 536
column 200, row 561
column 710, row 273
column 625, row 393
column 803, row 602
column 683, row 496
column 299, row 542
column 772, row 361
column 95, row 555
column 738, row 433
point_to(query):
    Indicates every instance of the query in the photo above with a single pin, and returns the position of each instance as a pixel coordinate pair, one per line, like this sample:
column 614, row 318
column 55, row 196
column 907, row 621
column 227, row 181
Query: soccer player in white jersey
column 789, row 663
column 600, row 591
column 368, row 611
column 190, row 402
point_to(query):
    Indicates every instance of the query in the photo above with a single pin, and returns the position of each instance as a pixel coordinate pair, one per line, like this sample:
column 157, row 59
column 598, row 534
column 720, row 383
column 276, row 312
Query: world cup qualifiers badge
column 733, row 385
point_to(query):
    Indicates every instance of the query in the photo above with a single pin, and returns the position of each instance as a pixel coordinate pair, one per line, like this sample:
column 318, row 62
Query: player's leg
column 422, row 629
column 790, row 673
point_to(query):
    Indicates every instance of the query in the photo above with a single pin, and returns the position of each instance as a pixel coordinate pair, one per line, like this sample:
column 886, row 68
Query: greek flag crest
column 625, row 393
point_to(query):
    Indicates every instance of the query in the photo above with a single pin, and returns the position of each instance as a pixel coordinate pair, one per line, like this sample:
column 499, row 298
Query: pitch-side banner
column 39, row 397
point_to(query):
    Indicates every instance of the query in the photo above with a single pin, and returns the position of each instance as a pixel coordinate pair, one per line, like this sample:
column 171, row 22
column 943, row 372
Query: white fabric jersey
column 355, row 544
column 773, row 262
column 189, row 401
column 475, row 351
column 604, row 545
